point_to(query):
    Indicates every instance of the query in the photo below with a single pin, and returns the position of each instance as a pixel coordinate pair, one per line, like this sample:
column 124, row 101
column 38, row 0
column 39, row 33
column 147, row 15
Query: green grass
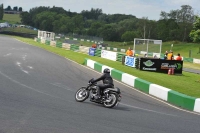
column 191, row 65
column 182, row 48
column 185, row 84
column 21, row 30
column 12, row 18
column 178, row 47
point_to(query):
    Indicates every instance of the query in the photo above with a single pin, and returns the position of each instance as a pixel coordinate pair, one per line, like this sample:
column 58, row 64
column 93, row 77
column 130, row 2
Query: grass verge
column 20, row 30
column 185, row 84
column 12, row 18
column 179, row 47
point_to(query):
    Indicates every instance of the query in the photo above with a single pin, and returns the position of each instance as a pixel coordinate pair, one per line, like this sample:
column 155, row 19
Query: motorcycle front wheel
column 81, row 94
column 110, row 101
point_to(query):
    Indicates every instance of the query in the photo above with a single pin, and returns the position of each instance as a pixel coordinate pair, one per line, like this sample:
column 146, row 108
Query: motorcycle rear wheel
column 81, row 94
column 110, row 101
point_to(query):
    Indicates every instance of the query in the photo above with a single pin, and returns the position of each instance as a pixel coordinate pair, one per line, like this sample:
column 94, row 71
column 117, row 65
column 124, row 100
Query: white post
column 134, row 45
column 147, row 46
column 160, row 46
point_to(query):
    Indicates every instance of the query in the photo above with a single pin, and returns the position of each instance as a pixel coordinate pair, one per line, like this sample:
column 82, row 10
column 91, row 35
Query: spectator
column 129, row 52
column 165, row 55
column 94, row 45
column 179, row 57
column 170, row 55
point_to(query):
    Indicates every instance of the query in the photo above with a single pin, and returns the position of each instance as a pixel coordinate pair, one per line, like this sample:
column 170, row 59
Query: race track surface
column 37, row 96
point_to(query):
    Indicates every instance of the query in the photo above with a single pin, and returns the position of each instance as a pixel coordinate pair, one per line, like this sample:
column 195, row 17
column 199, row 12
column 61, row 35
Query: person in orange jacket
column 129, row 52
column 179, row 57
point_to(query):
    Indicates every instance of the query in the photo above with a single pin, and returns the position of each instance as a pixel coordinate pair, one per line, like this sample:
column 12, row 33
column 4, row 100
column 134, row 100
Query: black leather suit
column 107, row 83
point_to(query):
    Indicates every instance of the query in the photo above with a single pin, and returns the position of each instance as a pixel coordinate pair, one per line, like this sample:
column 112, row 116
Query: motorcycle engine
column 93, row 92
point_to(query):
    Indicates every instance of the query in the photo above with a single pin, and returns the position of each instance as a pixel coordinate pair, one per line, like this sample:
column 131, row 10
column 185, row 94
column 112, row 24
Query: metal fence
column 79, row 37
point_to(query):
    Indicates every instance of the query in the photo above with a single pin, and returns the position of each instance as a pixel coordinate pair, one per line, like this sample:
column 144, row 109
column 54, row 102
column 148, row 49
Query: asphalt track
column 37, row 96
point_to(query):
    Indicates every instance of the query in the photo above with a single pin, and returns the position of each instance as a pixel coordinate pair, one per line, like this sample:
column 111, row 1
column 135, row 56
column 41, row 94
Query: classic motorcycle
column 110, row 97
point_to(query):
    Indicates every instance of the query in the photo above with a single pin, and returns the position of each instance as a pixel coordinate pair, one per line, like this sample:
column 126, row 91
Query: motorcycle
column 109, row 98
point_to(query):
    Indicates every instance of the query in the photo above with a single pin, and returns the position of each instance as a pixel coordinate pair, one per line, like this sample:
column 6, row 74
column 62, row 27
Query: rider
column 107, row 82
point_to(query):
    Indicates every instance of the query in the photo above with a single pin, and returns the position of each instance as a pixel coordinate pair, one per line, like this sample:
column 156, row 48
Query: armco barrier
column 119, row 56
column 166, row 94
column 192, row 60
column 43, row 41
column 47, row 42
column 38, row 40
column 188, row 59
column 196, row 61
column 83, row 49
column 59, row 44
column 181, row 100
column 142, row 85
column 53, row 43
column 116, row 74
column 97, row 52
column 66, row 46
column 197, row 105
column 74, row 47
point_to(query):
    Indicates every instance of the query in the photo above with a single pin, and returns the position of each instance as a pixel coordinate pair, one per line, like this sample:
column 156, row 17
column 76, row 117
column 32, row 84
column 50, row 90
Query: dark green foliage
column 112, row 27
column 1, row 12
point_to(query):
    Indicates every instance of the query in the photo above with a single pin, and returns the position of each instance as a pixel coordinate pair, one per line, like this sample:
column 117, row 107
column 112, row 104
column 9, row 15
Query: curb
column 166, row 94
column 160, row 92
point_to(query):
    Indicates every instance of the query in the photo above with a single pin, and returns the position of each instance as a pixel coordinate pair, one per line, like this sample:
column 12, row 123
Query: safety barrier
column 53, row 43
column 66, row 46
column 119, row 56
column 74, row 47
column 83, row 49
column 120, row 52
column 43, row 41
column 166, row 94
column 59, row 44
column 47, row 42
column 98, row 52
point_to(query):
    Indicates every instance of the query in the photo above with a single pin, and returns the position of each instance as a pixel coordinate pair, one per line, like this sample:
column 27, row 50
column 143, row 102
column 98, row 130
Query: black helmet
column 106, row 70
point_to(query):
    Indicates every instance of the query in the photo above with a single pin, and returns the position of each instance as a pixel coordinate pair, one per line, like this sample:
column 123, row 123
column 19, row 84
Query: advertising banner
column 109, row 55
column 148, row 64
column 92, row 51
column 130, row 61
column 158, row 65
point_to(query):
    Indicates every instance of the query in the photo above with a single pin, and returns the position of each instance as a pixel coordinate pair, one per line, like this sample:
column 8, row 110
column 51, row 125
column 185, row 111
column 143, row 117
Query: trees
column 175, row 25
column 1, row 12
column 20, row 9
column 44, row 20
column 92, row 14
column 108, row 32
column 129, row 36
column 93, row 30
column 15, row 8
column 8, row 8
column 78, row 23
column 63, row 24
column 25, row 18
column 184, row 19
column 195, row 33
